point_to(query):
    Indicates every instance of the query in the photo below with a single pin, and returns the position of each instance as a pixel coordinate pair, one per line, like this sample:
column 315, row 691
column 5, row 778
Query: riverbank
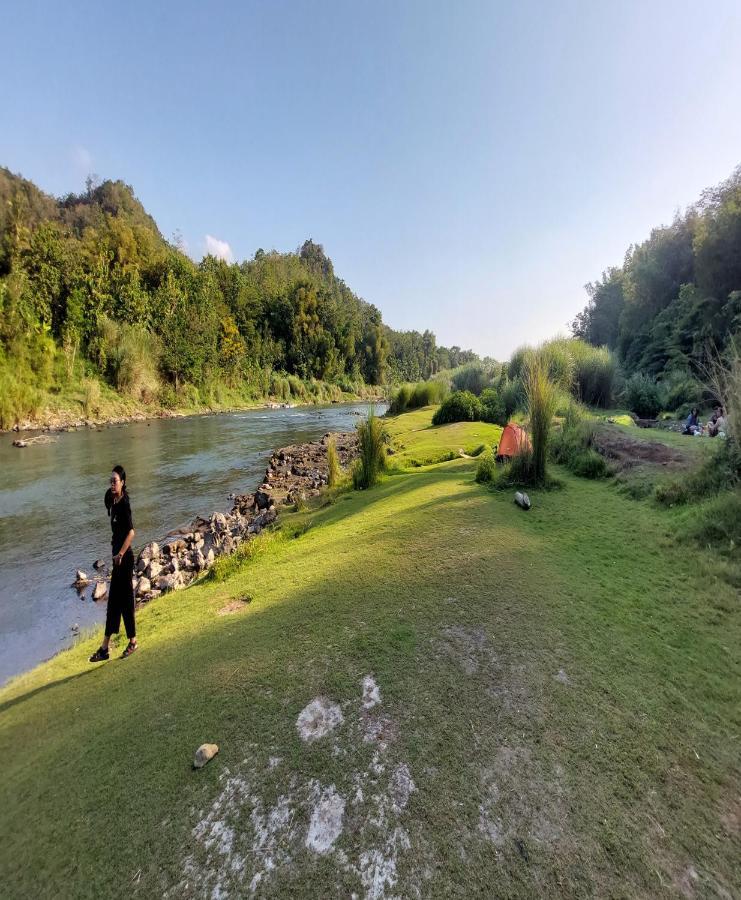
column 416, row 690
column 123, row 411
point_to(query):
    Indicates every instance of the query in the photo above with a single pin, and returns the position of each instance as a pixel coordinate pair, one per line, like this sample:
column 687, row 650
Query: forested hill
column 676, row 294
column 89, row 285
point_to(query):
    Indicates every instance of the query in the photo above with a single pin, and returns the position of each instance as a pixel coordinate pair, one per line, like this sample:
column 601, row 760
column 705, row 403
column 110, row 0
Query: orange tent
column 514, row 440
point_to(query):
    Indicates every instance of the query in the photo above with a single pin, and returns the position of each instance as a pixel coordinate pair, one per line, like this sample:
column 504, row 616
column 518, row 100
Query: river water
column 53, row 521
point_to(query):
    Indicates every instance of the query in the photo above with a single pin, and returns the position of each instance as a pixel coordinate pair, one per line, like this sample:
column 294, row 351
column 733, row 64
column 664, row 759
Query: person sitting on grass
column 717, row 423
column 693, row 423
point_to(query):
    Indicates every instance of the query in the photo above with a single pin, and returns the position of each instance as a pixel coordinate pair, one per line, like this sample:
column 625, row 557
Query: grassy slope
column 418, row 443
column 622, row 782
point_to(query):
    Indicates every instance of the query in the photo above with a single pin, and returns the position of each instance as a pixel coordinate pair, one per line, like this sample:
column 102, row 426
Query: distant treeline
column 88, row 285
column 676, row 294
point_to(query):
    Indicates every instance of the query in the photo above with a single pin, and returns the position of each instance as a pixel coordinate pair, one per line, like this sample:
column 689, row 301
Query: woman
column 693, row 422
column 121, row 593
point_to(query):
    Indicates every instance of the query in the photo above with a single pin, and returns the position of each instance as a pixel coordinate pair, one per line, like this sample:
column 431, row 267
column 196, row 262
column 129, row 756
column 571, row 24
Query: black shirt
column 121, row 522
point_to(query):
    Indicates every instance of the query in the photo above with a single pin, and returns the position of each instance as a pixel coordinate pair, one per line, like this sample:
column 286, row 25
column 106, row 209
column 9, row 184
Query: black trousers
column 121, row 598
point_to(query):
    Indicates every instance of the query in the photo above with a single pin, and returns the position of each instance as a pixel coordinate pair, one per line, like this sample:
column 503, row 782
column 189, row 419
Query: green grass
column 563, row 685
column 418, row 443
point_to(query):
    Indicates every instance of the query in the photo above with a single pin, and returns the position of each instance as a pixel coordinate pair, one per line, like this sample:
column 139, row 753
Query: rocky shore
column 293, row 474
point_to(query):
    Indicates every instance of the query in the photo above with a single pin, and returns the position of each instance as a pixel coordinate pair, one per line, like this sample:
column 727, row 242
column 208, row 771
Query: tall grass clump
column 371, row 463
column 724, row 381
column 414, row 396
column 595, row 373
column 541, row 397
column 333, row 464
column 132, row 363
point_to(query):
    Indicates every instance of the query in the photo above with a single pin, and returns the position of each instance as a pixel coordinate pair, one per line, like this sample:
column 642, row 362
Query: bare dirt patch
column 626, row 451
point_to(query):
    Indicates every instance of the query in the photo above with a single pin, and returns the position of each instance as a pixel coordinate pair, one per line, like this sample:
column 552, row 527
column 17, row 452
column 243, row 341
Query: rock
column 173, row 566
column 100, row 591
column 210, row 558
column 198, row 560
column 99, row 564
column 153, row 570
column 262, row 498
column 81, row 579
column 522, row 500
column 218, row 522
column 143, row 587
column 204, row 753
column 19, row 443
column 150, row 551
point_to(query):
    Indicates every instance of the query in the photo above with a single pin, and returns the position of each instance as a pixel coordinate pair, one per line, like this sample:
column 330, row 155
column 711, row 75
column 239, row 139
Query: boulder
column 153, row 570
column 218, row 522
column 100, row 591
column 144, row 586
column 99, row 564
column 150, row 551
column 210, row 558
column 81, row 579
column 263, row 497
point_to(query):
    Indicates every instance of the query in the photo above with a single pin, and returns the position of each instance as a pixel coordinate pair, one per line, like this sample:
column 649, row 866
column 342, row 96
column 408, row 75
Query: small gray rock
column 100, row 591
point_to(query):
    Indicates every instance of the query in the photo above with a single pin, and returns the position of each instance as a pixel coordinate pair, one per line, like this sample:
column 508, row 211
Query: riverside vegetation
column 496, row 698
column 101, row 317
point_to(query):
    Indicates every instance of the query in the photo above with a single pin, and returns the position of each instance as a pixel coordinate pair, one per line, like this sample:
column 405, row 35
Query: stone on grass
column 203, row 754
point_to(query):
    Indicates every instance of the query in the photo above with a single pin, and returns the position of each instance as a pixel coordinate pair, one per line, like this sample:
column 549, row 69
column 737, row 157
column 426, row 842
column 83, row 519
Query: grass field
column 558, row 712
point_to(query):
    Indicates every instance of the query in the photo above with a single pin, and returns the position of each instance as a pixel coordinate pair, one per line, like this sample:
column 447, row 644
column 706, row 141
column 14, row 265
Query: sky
column 468, row 166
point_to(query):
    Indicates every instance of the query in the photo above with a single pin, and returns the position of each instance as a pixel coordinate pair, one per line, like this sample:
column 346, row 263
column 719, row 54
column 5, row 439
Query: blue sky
column 467, row 165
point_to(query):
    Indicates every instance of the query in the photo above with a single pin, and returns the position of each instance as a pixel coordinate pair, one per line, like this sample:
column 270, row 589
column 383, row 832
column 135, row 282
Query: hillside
column 417, row 690
column 99, row 314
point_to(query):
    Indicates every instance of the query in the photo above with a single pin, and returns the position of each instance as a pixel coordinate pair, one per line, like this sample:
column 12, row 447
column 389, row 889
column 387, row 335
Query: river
column 53, row 521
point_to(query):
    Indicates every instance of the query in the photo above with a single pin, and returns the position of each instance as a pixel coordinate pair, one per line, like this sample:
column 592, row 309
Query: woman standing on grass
column 121, row 593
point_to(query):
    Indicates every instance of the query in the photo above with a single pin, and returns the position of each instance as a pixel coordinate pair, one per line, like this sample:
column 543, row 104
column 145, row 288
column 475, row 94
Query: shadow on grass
column 14, row 701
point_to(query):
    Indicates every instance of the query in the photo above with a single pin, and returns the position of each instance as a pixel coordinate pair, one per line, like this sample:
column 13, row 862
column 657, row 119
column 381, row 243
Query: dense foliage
column 414, row 396
column 676, row 293
column 88, row 283
column 460, row 406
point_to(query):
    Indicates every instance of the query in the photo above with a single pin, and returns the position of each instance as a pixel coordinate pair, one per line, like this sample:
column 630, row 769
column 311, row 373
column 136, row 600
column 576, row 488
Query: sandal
column 100, row 655
column 129, row 650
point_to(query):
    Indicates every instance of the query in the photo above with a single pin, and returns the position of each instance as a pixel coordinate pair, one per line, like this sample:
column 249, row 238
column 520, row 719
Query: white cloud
column 219, row 249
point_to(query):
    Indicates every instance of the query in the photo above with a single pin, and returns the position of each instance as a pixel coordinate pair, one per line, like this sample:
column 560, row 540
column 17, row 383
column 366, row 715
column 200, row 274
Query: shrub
column 280, row 387
column 595, row 373
column 541, row 394
column 372, row 461
column 572, row 446
column 492, row 407
column 472, row 377
column 681, row 392
column 460, row 406
column 642, row 395
column 400, row 400
column 486, row 467
column 333, row 464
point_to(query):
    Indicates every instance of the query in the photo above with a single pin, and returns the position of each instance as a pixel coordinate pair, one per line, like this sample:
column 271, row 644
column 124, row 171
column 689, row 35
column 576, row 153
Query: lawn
column 558, row 712
column 419, row 443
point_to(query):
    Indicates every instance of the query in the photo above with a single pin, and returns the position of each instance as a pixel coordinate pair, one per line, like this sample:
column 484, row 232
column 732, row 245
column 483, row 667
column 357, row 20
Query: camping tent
column 514, row 440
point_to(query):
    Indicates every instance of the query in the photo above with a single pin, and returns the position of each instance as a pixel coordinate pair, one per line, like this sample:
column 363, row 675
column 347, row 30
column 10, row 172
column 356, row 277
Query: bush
column 595, row 373
column 333, row 464
column 91, row 401
column 372, row 462
column 492, row 407
column 642, row 395
column 460, row 406
column 132, row 363
column 572, row 446
column 486, row 468
column 681, row 392
column 472, row 377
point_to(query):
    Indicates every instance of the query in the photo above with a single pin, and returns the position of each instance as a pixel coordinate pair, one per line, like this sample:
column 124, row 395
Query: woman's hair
column 121, row 472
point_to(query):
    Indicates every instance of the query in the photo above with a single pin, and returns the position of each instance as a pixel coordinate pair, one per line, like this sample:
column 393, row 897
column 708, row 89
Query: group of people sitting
column 716, row 424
